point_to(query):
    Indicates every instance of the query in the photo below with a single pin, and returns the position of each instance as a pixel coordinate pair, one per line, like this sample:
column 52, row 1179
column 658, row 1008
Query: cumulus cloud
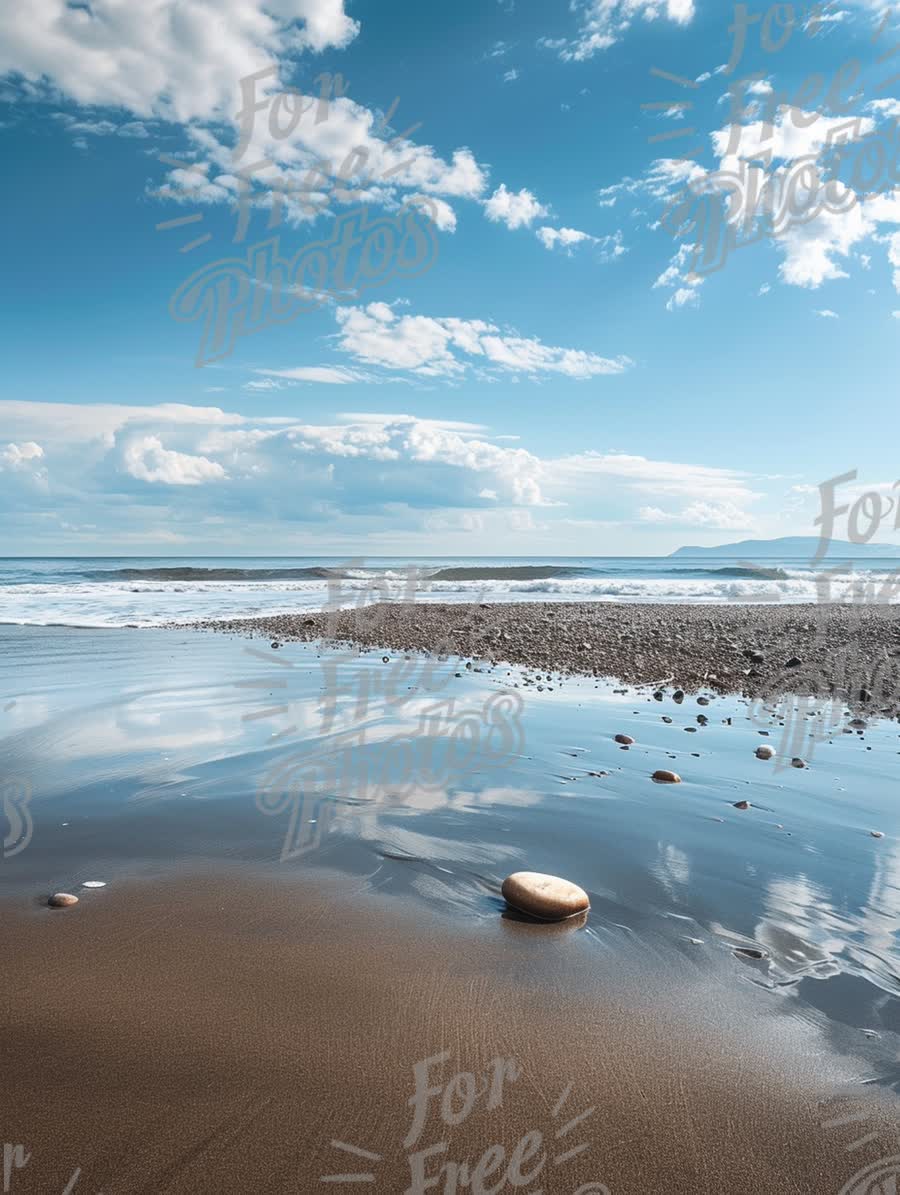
column 237, row 479
column 18, row 456
column 146, row 459
column 176, row 59
column 225, row 76
column 515, row 209
column 448, row 346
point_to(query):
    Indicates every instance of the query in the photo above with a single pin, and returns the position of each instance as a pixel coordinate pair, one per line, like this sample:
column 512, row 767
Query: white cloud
column 442, row 214
column 567, row 239
column 826, row 313
column 176, row 59
column 659, row 478
column 201, row 65
column 328, row 375
column 687, row 285
column 723, row 516
column 18, row 456
column 234, row 481
column 683, row 296
column 146, row 459
column 511, row 75
column 793, row 134
column 515, row 209
column 604, row 22
column 447, row 347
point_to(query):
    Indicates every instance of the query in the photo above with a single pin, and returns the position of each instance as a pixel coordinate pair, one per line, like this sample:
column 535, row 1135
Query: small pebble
column 742, row 804
column 664, row 776
column 765, row 752
column 796, row 762
column 62, row 900
column 876, row 834
column 625, row 739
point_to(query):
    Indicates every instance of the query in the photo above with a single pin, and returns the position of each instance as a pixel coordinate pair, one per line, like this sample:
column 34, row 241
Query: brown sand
column 841, row 649
column 216, row 1033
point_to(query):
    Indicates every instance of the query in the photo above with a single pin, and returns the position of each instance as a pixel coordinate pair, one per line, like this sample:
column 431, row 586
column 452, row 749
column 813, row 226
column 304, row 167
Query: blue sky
column 557, row 380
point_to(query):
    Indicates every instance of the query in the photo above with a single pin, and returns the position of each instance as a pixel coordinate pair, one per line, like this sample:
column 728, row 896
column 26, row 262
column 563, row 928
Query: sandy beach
column 301, row 903
column 222, row 1032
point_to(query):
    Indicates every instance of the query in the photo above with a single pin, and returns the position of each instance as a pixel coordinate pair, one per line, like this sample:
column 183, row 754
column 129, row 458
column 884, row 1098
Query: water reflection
column 437, row 783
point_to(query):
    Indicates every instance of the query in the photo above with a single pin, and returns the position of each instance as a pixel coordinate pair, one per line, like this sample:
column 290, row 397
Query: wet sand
column 258, row 980
column 841, row 649
column 219, row 1032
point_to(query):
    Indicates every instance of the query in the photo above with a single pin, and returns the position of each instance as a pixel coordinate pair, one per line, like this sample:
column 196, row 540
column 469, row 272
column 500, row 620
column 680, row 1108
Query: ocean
column 152, row 591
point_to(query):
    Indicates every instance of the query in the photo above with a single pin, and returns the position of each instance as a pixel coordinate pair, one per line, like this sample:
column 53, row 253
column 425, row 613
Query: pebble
column 765, row 752
column 749, row 952
column 664, row 776
column 62, row 900
column 546, row 897
column 793, row 662
column 678, row 696
column 876, row 834
column 797, row 762
column 742, row 804
column 625, row 739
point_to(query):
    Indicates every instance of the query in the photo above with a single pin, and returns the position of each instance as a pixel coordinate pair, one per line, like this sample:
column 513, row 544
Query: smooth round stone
column 742, row 804
column 797, row 762
column 664, row 776
column 625, row 739
column 876, row 834
column 765, row 752
column 62, row 900
column 548, row 898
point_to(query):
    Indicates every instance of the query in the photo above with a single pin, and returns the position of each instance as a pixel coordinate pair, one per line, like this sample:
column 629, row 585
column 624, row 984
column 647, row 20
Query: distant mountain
column 804, row 547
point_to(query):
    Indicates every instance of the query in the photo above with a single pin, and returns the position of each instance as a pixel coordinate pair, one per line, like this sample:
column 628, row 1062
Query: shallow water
column 137, row 752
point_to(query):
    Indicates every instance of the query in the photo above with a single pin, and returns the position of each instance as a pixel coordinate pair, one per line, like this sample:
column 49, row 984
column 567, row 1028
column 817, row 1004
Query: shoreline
column 847, row 652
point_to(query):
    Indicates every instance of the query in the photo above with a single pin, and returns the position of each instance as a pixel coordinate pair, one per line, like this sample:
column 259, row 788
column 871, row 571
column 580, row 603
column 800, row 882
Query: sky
column 315, row 277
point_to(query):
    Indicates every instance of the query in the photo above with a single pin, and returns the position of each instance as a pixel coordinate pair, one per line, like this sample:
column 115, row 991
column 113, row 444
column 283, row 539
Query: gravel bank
column 759, row 650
